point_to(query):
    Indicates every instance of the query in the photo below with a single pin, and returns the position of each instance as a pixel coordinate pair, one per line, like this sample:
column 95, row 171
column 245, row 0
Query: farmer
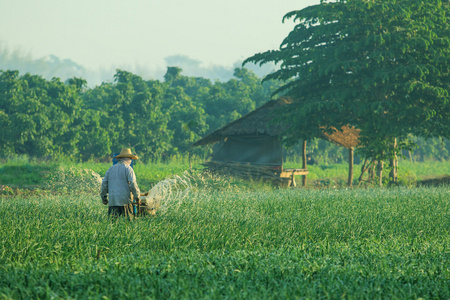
column 120, row 184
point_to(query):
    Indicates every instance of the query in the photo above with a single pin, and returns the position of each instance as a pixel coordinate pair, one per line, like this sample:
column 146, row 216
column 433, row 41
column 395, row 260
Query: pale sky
column 105, row 33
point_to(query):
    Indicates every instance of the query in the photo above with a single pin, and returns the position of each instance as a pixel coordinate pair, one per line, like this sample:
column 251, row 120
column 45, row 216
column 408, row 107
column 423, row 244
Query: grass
column 231, row 242
column 425, row 170
column 337, row 174
column 217, row 238
column 22, row 172
column 25, row 173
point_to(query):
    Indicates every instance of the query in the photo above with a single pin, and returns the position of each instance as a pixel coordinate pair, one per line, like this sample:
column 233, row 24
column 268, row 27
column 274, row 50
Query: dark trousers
column 124, row 210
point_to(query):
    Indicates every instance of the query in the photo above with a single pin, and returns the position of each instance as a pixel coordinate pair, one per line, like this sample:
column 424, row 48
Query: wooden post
column 393, row 163
column 350, row 166
column 304, row 166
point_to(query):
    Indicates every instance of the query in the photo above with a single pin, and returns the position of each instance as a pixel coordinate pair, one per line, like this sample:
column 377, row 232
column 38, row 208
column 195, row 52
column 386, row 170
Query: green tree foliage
column 380, row 65
column 187, row 119
column 157, row 119
column 225, row 102
column 145, row 125
column 40, row 116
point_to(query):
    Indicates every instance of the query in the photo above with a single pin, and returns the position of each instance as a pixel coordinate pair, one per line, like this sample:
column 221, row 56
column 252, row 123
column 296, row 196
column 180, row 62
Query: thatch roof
column 256, row 123
column 347, row 137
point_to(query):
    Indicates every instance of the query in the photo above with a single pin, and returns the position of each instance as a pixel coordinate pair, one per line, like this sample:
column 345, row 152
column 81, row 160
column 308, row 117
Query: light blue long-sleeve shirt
column 119, row 184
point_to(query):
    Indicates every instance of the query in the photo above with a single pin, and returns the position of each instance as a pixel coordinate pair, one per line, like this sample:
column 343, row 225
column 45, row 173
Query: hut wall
column 265, row 150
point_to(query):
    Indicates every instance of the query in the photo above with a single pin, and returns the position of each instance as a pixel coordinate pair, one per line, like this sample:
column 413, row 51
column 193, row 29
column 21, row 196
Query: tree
column 145, row 125
column 380, row 65
column 40, row 116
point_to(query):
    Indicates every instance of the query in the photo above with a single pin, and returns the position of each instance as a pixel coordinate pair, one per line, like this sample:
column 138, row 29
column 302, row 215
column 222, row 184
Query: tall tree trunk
column 350, row 166
column 304, row 166
column 380, row 172
column 364, row 168
column 372, row 170
column 393, row 163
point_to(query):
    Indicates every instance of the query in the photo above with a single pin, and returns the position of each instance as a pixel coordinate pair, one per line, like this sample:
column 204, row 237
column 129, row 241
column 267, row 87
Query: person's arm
column 104, row 189
column 132, row 184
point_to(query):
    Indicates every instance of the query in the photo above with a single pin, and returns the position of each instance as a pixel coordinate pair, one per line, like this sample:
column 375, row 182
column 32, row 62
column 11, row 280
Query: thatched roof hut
column 256, row 123
column 255, row 140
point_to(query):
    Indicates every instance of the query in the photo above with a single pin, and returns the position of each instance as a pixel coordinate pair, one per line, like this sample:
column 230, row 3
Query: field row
column 226, row 241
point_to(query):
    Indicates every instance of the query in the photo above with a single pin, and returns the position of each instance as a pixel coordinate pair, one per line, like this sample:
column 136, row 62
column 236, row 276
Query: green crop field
column 25, row 173
column 220, row 240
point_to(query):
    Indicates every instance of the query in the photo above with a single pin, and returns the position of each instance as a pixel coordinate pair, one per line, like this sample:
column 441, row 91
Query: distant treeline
column 158, row 119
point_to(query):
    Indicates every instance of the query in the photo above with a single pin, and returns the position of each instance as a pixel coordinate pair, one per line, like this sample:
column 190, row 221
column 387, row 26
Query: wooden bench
column 290, row 173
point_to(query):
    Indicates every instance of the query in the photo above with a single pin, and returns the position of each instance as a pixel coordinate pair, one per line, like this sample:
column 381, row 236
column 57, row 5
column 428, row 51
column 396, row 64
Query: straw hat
column 126, row 152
